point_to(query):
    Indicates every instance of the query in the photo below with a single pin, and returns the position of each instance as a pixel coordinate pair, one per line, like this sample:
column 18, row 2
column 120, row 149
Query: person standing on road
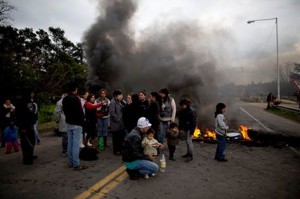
column 60, row 119
column 91, row 120
column 269, row 100
column 35, row 126
column 7, row 114
column 102, row 115
column 298, row 98
column 187, row 124
column 25, row 119
column 83, row 98
column 167, row 114
column 221, row 129
column 130, row 113
column 132, row 152
column 172, row 139
column 143, row 103
column 11, row 137
column 116, row 121
column 75, row 120
column 153, row 111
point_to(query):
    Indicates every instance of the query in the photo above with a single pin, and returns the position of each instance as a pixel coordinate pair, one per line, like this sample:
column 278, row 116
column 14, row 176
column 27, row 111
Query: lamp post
column 278, row 77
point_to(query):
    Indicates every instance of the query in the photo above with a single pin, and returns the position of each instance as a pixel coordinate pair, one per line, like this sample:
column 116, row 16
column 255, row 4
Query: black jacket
column 73, row 110
column 187, row 120
column 132, row 147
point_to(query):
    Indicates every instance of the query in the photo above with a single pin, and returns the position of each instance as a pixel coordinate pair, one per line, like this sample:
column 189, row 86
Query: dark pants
column 220, row 152
column 91, row 130
column 27, row 145
column 117, row 140
column 171, row 151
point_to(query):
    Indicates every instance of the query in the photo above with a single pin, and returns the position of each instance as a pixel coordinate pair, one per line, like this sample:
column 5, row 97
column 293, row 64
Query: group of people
column 21, row 120
column 140, row 127
column 84, row 119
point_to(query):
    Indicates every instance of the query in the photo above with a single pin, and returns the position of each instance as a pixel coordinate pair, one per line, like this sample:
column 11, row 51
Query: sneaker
column 89, row 144
column 152, row 175
column 81, row 145
column 146, row 176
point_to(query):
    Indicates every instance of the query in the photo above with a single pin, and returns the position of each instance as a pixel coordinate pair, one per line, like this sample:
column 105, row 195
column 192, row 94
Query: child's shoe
column 152, row 175
column 146, row 176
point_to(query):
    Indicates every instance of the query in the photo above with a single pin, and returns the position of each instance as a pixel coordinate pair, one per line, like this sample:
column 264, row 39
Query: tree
column 5, row 9
column 45, row 61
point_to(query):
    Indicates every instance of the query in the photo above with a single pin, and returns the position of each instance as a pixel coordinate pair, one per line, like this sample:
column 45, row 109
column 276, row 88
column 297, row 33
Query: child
column 150, row 144
column 10, row 137
column 221, row 128
column 172, row 139
column 187, row 123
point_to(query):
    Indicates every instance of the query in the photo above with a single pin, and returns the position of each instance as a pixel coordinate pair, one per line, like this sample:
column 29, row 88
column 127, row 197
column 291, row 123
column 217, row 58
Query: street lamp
column 278, row 78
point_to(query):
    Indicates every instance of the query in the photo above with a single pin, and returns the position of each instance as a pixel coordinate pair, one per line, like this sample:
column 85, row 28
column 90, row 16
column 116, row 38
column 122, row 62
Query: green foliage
column 42, row 60
column 46, row 113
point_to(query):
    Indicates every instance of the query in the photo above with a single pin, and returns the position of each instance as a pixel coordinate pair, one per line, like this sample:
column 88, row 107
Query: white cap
column 143, row 123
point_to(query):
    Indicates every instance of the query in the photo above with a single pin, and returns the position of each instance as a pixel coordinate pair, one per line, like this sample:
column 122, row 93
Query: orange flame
column 244, row 131
column 196, row 134
column 208, row 134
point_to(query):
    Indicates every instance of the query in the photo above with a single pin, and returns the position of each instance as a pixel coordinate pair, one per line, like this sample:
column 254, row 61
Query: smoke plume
column 178, row 56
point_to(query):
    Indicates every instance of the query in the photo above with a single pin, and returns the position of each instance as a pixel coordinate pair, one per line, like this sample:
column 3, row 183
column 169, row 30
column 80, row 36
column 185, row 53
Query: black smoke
column 177, row 56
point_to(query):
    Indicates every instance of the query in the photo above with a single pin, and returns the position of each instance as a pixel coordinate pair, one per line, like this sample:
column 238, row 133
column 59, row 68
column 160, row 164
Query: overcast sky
column 251, row 46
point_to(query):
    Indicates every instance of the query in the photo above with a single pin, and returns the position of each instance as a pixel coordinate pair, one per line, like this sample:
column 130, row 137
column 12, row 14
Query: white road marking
column 266, row 128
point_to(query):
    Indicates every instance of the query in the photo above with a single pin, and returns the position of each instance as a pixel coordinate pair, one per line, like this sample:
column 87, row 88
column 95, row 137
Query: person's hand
column 151, row 157
column 160, row 146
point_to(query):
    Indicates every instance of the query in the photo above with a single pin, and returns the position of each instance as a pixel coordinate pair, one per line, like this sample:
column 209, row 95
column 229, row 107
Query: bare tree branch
column 5, row 10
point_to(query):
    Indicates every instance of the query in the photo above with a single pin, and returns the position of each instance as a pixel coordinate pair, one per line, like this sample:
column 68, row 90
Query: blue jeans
column 143, row 166
column 74, row 134
column 36, row 132
column 220, row 152
column 189, row 143
column 102, row 124
column 163, row 126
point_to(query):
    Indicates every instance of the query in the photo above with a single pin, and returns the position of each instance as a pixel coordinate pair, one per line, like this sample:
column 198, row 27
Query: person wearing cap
column 132, row 152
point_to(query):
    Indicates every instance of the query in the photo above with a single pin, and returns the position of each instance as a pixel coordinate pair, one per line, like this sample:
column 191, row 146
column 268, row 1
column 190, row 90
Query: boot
column 189, row 158
column 105, row 141
column 171, row 157
column 185, row 156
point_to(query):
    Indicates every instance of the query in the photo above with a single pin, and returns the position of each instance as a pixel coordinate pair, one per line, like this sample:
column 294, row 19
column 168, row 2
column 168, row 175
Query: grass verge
column 285, row 113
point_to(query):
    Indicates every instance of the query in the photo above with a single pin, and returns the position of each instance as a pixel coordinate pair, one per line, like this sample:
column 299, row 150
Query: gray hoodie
column 220, row 124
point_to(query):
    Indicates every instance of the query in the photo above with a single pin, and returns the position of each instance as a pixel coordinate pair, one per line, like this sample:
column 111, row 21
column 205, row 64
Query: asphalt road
column 251, row 172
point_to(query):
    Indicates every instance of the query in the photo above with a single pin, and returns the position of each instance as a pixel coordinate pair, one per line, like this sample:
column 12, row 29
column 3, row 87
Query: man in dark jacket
column 135, row 161
column 74, row 119
column 25, row 119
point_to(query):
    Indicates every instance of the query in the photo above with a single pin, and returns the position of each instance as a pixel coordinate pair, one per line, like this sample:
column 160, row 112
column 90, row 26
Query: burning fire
column 244, row 131
column 196, row 134
column 207, row 134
